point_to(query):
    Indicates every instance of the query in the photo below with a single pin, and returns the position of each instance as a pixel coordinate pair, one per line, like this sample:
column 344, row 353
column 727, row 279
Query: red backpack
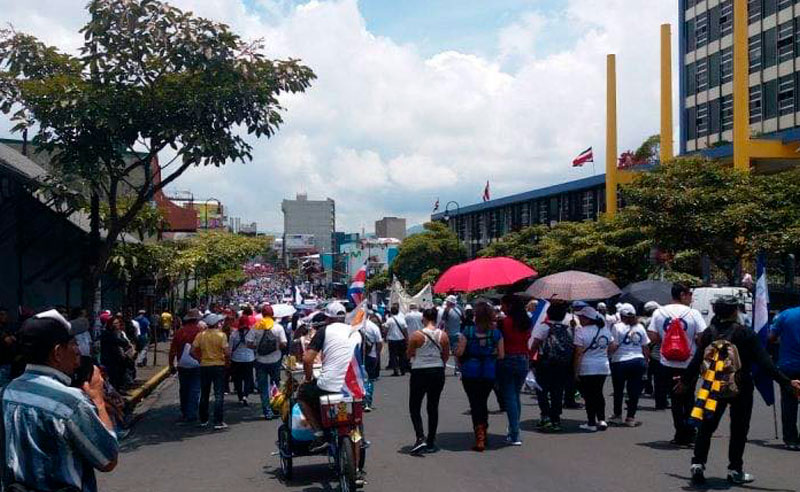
column 675, row 346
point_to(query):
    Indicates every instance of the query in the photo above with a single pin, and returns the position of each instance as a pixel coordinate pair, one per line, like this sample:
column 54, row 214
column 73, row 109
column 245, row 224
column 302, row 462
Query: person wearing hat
column 54, row 436
column 629, row 354
column 187, row 367
column 592, row 339
column 725, row 326
column 336, row 343
column 210, row 347
column 243, row 356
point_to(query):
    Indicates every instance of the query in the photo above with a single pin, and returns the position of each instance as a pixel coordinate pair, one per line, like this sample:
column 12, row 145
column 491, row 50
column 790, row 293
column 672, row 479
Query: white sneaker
column 602, row 425
column 589, row 428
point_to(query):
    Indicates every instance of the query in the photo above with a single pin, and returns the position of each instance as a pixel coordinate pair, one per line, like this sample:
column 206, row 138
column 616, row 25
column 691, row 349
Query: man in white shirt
column 413, row 319
column 693, row 325
column 373, row 344
column 397, row 336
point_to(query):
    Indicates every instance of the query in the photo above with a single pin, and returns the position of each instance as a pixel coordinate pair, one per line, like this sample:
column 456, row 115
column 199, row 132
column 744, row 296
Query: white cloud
column 385, row 130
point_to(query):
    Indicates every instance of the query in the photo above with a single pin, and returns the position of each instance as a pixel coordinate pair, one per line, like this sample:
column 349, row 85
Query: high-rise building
column 311, row 217
column 706, row 69
column 391, row 227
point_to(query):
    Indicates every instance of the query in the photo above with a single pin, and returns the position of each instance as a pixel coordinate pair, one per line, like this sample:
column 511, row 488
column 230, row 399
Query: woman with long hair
column 516, row 328
column 479, row 348
column 428, row 350
column 592, row 340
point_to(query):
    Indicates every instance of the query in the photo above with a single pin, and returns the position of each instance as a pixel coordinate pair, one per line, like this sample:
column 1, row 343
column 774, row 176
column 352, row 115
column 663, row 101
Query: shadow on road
column 769, row 444
column 159, row 425
column 313, row 477
column 715, row 483
column 662, row 446
column 568, row 426
column 463, row 441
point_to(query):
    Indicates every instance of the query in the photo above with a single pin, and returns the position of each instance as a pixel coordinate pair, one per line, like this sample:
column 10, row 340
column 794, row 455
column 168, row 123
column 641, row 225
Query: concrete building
column 391, row 227
column 312, row 217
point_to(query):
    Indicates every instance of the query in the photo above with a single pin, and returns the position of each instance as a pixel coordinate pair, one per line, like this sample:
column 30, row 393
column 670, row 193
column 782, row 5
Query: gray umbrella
column 573, row 286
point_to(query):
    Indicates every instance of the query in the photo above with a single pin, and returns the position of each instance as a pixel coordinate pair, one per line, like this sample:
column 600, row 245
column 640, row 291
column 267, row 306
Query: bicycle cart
column 342, row 423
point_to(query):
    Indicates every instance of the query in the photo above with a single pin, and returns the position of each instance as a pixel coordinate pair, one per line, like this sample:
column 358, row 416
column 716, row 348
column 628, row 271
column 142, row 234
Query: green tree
column 435, row 248
column 149, row 78
column 378, row 282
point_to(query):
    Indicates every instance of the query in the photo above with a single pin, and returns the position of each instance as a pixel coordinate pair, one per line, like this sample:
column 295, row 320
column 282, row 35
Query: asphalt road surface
column 160, row 456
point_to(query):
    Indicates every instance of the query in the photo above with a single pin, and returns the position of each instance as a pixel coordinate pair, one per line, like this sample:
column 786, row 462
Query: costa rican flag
column 354, row 377
column 486, row 195
column 356, row 291
column 583, row 158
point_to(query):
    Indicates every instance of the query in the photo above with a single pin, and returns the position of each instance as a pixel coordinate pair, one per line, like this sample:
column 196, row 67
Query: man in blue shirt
column 55, row 435
column 786, row 327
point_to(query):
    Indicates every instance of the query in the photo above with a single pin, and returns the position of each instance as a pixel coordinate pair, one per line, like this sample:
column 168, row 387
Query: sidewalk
column 151, row 375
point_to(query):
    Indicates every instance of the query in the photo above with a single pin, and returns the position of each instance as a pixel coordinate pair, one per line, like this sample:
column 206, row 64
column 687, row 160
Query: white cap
column 601, row 305
column 626, row 309
column 54, row 314
column 335, row 310
column 468, row 307
column 451, row 299
column 651, row 306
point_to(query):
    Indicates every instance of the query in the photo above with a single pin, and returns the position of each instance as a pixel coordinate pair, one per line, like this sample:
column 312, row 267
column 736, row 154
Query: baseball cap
column 601, row 305
column 451, row 299
column 651, row 306
column 46, row 328
column 627, row 309
column 580, row 308
column 726, row 300
column 335, row 310
column 212, row 319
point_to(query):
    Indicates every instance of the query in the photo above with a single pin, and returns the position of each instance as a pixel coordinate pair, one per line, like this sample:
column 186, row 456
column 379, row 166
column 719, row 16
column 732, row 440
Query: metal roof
column 20, row 164
column 577, row 185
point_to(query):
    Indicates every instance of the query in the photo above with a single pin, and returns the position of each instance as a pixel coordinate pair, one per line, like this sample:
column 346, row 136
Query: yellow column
column 741, row 88
column 611, row 136
column 667, row 152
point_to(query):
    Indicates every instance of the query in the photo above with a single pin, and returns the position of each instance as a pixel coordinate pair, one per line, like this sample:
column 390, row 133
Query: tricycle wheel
column 347, row 465
column 284, row 449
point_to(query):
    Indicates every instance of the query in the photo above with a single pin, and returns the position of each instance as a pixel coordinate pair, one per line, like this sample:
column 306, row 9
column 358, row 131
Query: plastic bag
column 301, row 429
column 530, row 382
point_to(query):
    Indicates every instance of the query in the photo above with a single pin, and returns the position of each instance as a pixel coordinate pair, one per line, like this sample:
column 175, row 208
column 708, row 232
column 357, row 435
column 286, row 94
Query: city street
column 160, row 456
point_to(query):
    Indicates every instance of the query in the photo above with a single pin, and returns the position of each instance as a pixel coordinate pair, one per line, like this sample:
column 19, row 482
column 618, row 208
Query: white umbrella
column 283, row 310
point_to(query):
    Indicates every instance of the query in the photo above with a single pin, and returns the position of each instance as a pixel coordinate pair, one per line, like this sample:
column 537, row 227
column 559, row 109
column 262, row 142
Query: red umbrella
column 483, row 273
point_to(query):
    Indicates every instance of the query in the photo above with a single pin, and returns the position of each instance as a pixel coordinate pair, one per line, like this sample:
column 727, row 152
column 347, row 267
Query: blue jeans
column 266, row 374
column 189, row 392
column 212, row 375
column 513, row 370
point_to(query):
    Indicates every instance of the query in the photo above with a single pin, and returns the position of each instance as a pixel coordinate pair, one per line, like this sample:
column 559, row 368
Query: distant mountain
column 415, row 229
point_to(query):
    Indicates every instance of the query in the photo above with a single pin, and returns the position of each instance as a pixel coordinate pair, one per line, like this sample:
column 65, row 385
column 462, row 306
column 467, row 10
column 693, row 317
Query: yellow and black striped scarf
column 720, row 363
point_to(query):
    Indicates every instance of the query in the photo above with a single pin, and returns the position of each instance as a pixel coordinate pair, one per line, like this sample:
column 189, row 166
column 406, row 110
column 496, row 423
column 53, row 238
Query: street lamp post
column 447, row 210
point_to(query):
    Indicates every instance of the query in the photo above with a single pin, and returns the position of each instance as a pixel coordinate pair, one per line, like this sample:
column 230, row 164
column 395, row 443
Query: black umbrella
column 639, row 293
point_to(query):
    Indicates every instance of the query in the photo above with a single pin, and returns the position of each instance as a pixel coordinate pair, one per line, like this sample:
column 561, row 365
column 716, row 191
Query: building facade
column 313, row 217
column 391, row 227
column 706, row 70
column 482, row 223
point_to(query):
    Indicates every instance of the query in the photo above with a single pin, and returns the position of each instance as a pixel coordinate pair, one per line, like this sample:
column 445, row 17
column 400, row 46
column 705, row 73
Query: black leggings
column 430, row 382
column 591, row 387
column 478, row 391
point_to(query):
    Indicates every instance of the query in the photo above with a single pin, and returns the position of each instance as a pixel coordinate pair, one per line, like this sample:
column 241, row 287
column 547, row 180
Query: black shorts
column 309, row 393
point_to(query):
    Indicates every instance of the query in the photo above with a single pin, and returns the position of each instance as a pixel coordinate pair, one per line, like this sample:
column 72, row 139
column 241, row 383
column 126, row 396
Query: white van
column 703, row 297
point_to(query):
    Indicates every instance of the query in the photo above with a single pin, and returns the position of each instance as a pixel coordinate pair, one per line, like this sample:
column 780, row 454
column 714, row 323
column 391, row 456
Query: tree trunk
column 91, row 270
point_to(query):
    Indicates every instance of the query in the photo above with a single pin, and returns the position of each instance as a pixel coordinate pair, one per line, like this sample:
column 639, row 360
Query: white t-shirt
column 373, row 334
column 595, row 354
column 542, row 330
column 240, row 352
column 272, row 357
column 695, row 324
column 337, row 343
column 394, row 327
column 413, row 321
column 631, row 339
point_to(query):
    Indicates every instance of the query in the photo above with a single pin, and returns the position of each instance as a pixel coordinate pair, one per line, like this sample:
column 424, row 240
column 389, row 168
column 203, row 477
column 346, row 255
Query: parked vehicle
column 703, row 297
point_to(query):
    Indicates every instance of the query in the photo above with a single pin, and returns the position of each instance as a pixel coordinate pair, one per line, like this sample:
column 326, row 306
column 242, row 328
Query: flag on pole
column 486, row 196
column 356, row 291
column 538, row 317
column 354, row 377
column 583, row 158
column 761, row 326
column 436, row 205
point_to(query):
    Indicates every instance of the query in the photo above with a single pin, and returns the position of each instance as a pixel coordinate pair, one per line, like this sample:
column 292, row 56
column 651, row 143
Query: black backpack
column 268, row 343
column 558, row 347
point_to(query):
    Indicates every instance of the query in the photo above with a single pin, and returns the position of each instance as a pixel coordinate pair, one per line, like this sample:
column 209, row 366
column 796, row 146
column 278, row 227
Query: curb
column 139, row 393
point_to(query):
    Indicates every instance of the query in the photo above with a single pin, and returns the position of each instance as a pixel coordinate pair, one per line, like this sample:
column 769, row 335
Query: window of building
column 786, row 41
column 691, row 79
column 690, row 3
column 543, row 212
column 702, row 74
column 713, row 69
column 755, row 104
column 784, row 4
column 797, row 35
column 726, row 18
column 769, row 96
column 753, row 10
column 714, row 116
column 726, row 111
column 713, row 24
column 702, row 120
column 769, row 48
column 786, row 95
column 691, row 40
column 701, row 29
column 588, row 204
column 755, row 53
column 726, row 65
column 691, row 123
column 769, row 8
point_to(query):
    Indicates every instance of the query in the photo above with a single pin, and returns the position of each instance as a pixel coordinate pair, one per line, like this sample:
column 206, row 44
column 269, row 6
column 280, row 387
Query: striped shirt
column 54, row 437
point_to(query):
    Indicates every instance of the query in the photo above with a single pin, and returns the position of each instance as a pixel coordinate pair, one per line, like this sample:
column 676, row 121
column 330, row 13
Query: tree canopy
column 149, row 79
column 437, row 248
